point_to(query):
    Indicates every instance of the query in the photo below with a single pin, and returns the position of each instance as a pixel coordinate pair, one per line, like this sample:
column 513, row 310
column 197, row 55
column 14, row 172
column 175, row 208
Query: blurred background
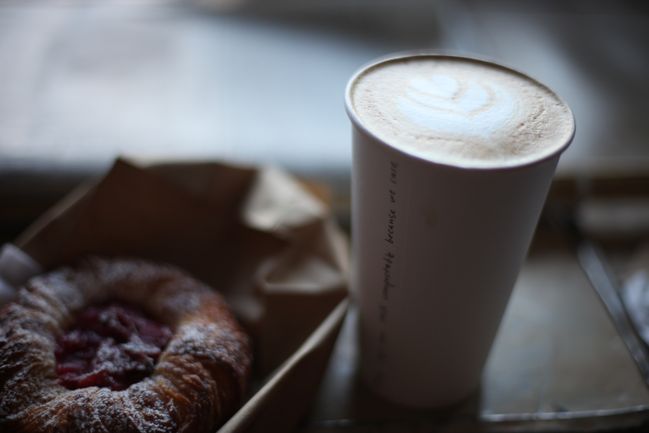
column 262, row 81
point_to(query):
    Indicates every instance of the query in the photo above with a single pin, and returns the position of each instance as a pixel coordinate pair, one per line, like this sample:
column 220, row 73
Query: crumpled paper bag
column 256, row 235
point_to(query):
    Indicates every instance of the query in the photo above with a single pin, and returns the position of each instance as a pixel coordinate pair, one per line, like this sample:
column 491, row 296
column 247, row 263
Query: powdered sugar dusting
column 197, row 383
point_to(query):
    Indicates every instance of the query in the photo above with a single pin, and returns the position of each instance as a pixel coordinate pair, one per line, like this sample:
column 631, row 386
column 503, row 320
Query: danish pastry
column 119, row 346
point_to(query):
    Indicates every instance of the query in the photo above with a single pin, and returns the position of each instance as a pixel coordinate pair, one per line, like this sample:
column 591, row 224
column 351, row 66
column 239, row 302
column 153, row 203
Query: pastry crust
column 198, row 382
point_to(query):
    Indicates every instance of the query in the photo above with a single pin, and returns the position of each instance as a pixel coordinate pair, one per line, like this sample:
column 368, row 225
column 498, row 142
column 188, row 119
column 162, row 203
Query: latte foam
column 460, row 111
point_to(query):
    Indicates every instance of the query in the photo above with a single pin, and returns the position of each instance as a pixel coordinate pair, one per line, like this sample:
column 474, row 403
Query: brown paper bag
column 256, row 235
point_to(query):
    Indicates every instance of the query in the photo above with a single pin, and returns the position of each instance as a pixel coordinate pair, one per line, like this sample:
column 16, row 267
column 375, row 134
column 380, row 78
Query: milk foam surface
column 460, row 111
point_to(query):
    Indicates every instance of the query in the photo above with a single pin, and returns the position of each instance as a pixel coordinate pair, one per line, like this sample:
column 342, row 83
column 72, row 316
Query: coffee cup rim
column 440, row 54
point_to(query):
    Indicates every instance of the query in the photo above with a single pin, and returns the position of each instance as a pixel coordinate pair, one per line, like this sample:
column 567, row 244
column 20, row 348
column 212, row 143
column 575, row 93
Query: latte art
column 460, row 111
column 445, row 104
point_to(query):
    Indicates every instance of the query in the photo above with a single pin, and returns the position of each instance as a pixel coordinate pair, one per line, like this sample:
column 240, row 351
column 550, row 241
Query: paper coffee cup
column 439, row 239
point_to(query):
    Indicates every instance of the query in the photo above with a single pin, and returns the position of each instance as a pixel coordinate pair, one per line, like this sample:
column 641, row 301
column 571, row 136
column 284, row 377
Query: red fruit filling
column 112, row 345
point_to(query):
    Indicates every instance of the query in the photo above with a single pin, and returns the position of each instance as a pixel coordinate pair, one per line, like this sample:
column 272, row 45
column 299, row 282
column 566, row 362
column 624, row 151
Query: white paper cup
column 436, row 251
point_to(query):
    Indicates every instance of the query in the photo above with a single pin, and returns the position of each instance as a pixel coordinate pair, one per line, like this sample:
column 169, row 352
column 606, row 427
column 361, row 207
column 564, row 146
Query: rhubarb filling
column 112, row 345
